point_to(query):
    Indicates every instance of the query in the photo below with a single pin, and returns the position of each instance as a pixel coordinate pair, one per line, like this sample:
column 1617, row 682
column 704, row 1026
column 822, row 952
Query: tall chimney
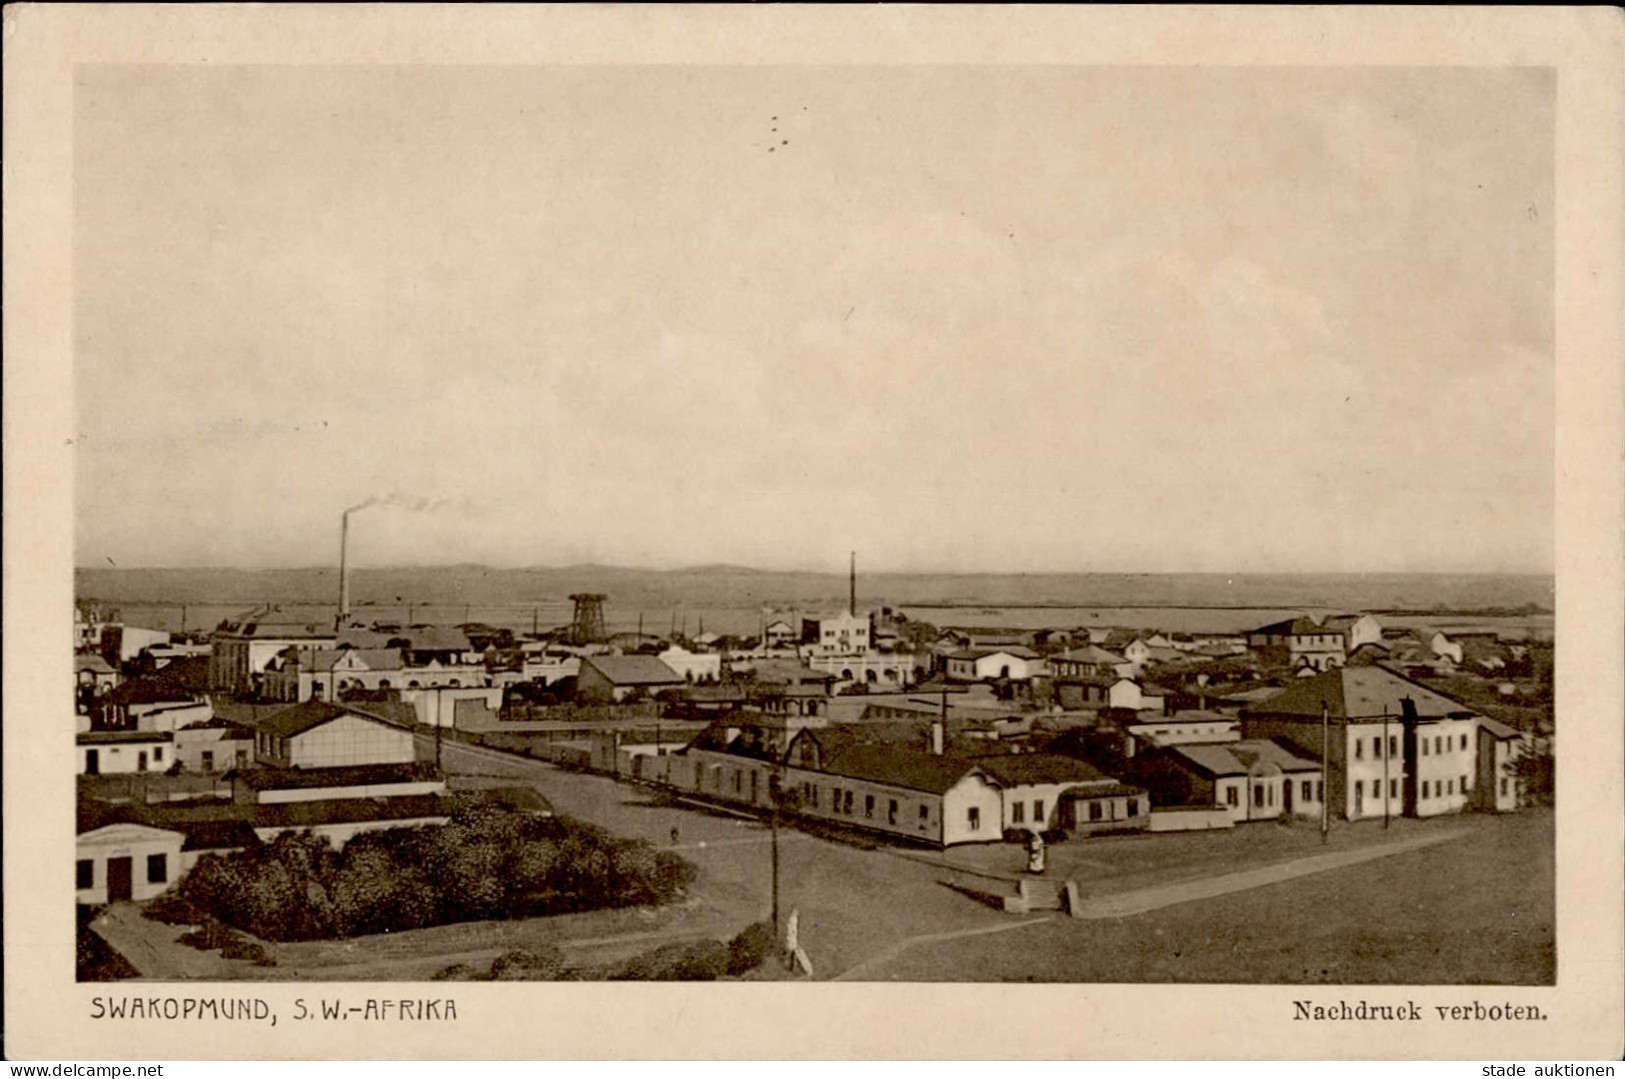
column 852, row 587
column 344, row 571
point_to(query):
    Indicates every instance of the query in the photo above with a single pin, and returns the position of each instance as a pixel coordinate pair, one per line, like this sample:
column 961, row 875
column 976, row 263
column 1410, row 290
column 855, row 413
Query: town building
column 214, row 745
column 1393, row 746
column 125, row 861
column 1308, row 644
column 692, row 666
column 1090, row 661
column 844, row 633
column 615, row 678
column 1252, row 779
column 241, row 648
column 124, row 751
column 321, row 734
column 985, row 665
column 298, row 674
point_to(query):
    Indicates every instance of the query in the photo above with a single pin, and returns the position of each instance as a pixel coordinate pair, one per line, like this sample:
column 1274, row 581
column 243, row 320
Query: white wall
column 135, row 842
column 125, row 757
column 350, row 739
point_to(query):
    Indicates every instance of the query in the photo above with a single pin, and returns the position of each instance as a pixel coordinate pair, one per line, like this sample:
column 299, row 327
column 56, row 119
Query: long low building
column 901, row 790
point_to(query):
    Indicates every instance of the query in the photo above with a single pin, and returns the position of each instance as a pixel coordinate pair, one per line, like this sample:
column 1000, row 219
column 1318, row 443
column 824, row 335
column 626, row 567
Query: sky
column 1006, row 319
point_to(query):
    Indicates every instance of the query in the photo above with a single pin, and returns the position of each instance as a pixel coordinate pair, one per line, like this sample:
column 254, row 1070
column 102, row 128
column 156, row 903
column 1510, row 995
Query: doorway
column 1286, row 797
column 93, row 762
column 118, row 879
column 1359, row 799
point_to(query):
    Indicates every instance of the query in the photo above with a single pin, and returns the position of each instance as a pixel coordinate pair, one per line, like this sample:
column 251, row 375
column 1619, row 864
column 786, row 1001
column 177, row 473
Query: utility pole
column 1385, row 755
column 773, row 791
column 1325, row 772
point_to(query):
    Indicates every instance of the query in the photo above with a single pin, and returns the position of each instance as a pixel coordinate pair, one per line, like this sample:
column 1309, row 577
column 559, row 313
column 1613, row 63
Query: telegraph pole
column 1385, row 755
column 1325, row 771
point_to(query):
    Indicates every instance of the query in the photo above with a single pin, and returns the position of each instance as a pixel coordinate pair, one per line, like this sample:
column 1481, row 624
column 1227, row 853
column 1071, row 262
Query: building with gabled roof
column 1252, row 779
column 615, row 678
column 1392, row 746
column 321, row 734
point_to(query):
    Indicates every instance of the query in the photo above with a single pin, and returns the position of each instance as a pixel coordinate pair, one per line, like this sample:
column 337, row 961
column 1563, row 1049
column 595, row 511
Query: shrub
column 520, row 965
column 487, row 862
column 700, row 961
column 459, row 972
column 747, row 950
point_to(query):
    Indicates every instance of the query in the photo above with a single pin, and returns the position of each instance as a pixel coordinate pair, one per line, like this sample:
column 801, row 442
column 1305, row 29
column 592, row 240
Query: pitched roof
column 182, row 679
column 1090, row 654
column 633, row 670
column 376, row 659
column 1498, row 729
column 351, row 775
column 1238, row 758
column 312, row 714
column 1358, row 693
column 104, row 738
column 88, row 661
column 897, row 765
column 1023, row 769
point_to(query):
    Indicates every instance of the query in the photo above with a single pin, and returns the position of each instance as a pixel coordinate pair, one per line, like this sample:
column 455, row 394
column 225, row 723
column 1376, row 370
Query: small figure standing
column 675, row 835
column 1035, row 853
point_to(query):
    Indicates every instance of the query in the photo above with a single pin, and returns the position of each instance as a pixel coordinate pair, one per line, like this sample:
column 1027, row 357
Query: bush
column 486, row 862
column 700, row 961
column 459, row 972
column 520, row 965
column 747, row 950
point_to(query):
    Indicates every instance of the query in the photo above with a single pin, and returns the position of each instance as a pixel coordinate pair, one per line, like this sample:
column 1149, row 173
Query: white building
column 836, row 634
column 692, row 666
column 319, row 734
column 123, row 752
column 986, row 665
column 119, row 862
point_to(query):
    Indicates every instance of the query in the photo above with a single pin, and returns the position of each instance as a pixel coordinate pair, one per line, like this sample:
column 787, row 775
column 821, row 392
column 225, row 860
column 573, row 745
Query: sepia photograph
column 1053, row 523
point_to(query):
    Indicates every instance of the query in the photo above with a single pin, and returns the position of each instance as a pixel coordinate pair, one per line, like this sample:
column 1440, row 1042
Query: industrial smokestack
column 852, row 587
column 344, row 571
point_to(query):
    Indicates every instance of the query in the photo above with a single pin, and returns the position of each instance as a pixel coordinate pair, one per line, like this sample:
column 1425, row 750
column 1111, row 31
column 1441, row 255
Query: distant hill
column 727, row 586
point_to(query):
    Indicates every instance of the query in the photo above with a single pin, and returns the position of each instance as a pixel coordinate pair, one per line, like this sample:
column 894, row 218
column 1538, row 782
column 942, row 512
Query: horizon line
column 729, row 567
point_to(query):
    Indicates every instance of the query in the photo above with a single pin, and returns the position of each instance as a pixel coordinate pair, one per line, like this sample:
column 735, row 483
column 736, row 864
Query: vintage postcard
column 1030, row 533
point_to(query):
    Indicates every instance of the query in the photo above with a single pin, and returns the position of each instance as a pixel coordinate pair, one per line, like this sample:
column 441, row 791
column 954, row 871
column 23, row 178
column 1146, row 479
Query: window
column 973, row 818
column 1308, row 789
column 1134, row 807
column 1094, row 810
column 846, row 803
column 1038, row 811
column 891, row 811
column 242, row 758
column 1393, row 746
column 1258, row 797
column 208, row 760
column 1269, row 794
column 1450, row 786
column 1503, row 785
column 157, row 868
column 1424, row 747
column 1359, row 750
column 1424, row 788
column 925, row 814
column 1230, row 795
column 157, row 753
column 1464, row 741
column 1393, row 788
column 869, row 805
column 84, row 872
column 1018, row 813
column 1438, row 744
column 739, row 781
column 1320, row 790
column 1376, row 747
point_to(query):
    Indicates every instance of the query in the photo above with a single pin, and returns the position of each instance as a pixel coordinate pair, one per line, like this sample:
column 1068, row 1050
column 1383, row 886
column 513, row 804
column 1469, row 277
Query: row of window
column 1312, row 790
column 1435, row 788
column 1441, row 743
column 84, row 874
column 1018, row 812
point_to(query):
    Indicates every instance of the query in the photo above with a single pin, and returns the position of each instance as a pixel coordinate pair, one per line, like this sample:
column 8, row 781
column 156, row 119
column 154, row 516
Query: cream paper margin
column 47, row 1013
